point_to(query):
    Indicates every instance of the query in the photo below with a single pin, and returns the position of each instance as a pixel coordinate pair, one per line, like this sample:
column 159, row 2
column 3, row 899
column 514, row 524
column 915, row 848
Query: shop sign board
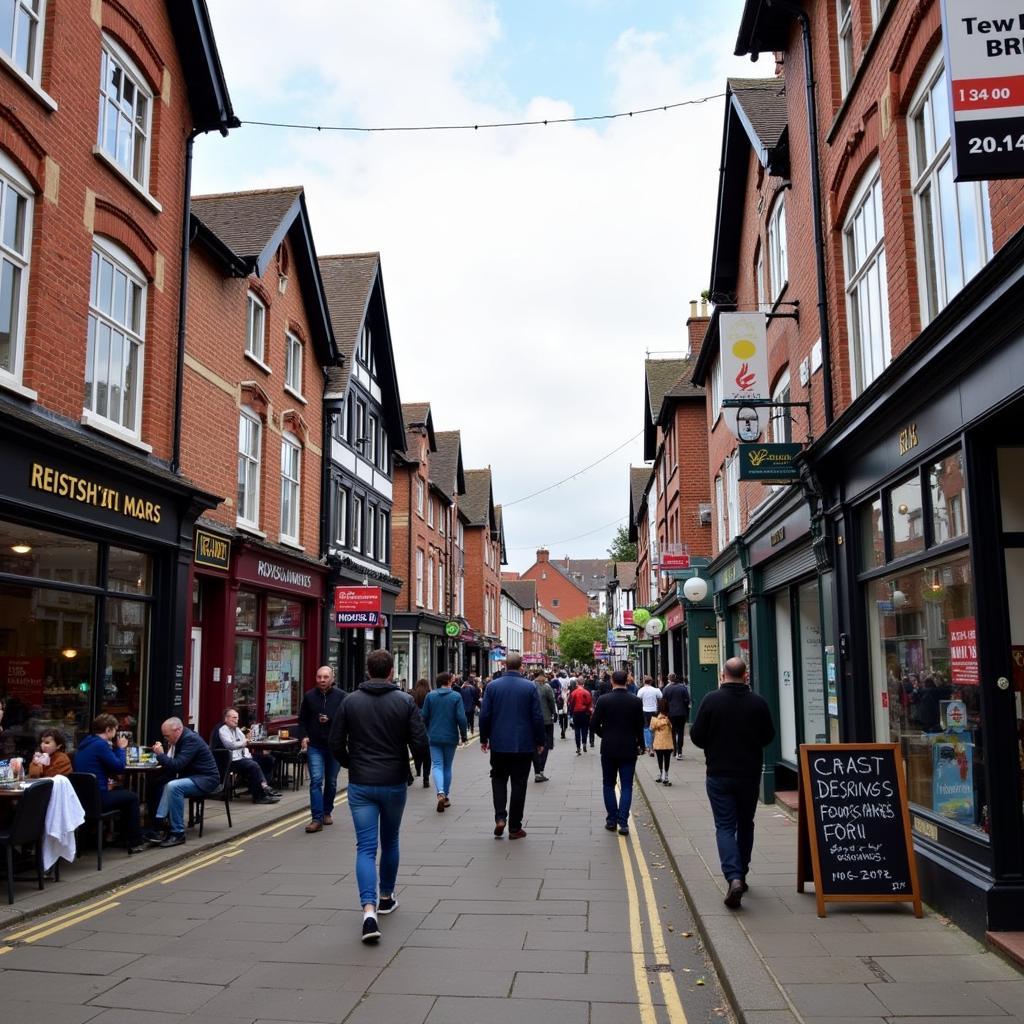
column 743, row 344
column 963, row 652
column 627, row 617
column 23, row 679
column 984, row 46
column 854, row 825
column 769, row 463
column 357, row 607
column 452, row 629
column 707, row 650
column 266, row 571
column 674, row 617
column 212, row 551
column 669, row 562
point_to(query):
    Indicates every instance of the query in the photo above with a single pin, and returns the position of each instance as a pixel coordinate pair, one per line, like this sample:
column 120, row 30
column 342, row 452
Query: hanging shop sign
column 984, row 46
column 212, row 551
column 452, row 629
column 769, row 463
column 627, row 617
column 674, row 617
column 357, row 607
column 743, row 339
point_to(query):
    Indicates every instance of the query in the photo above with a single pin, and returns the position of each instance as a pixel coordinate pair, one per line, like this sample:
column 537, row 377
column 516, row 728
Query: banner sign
column 358, row 620
column 984, row 46
column 670, row 562
column 627, row 617
column 743, row 345
column 357, row 607
column 769, row 463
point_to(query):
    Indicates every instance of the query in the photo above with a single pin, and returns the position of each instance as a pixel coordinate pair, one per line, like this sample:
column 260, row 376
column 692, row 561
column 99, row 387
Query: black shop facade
column 95, row 555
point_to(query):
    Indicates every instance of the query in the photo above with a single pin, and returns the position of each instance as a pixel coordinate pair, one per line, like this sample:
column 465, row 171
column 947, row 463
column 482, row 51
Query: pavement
column 571, row 925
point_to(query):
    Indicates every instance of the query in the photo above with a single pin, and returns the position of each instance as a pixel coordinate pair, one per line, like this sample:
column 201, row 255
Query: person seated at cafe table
column 52, row 756
column 191, row 770
column 103, row 753
column 243, row 763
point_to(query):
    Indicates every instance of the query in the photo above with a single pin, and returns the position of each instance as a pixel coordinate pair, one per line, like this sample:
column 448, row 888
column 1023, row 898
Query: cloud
column 527, row 270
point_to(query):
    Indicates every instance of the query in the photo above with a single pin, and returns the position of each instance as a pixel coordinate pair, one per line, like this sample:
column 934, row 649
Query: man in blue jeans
column 619, row 720
column 733, row 727
column 192, row 770
column 316, row 713
column 373, row 733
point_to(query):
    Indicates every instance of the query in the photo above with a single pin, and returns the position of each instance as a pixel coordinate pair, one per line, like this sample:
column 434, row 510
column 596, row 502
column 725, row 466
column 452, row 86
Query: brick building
column 911, row 368
column 259, row 342
column 448, row 476
column 100, row 104
column 484, row 546
column 564, row 587
column 642, row 530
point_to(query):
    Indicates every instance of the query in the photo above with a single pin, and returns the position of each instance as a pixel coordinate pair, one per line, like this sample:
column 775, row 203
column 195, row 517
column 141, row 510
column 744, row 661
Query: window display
column 401, row 646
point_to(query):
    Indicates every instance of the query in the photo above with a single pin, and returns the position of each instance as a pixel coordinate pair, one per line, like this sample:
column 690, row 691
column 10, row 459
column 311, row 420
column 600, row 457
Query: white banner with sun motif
column 744, row 354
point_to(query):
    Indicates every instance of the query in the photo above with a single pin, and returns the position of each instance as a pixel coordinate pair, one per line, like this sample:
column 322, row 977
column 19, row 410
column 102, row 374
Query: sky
column 528, row 271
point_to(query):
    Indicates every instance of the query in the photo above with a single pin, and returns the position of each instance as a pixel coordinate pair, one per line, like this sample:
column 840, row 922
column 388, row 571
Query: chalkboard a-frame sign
column 855, row 841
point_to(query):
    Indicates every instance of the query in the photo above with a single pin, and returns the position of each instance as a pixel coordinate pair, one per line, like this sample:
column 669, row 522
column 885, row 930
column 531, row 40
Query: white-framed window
column 461, row 610
column 384, row 453
column 419, row 577
column 21, row 34
column 430, row 582
column 371, row 530
column 430, row 512
column 383, row 530
column 878, row 8
column 250, row 430
column 732, row 482
column 419, row 496
column 293, row 363
column 357, row 523
column 291, row 468
column 116, row 337
column 443, row 515
column 781, row 421
column 126, row 108
column 346, row 412
column 867, row 290
column 778, row 259
column 341, row 516
column 954, row 233
column 371, row 432
column 16, row 210
column 440, row 586
column 844, row 19
column 360, row 427
column 255, row 324
column 759, row 278
column 364, row 346
column 716, row 389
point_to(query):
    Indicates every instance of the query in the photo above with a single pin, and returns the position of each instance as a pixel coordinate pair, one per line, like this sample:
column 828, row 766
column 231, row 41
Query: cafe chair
column 291, row 767
column 87, row 789
column 27, row 829
column 197, row 804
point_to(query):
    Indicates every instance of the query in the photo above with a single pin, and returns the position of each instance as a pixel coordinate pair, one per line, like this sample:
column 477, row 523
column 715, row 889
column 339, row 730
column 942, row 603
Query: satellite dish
column 654, row 627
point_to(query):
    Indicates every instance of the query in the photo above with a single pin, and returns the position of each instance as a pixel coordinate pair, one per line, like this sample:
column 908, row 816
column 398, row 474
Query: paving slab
column 509, row 1011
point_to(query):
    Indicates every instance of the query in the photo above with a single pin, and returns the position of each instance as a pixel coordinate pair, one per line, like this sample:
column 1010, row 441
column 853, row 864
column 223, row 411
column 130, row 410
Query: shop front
column 476, row 653
column 94, row 560
column 419, row 646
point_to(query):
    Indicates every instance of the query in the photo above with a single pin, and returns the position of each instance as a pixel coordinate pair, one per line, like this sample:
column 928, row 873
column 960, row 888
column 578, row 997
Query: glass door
column 787, row 692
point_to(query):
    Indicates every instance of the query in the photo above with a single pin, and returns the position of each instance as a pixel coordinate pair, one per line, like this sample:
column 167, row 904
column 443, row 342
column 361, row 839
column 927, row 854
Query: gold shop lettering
column 88, row 492
column 908, row 439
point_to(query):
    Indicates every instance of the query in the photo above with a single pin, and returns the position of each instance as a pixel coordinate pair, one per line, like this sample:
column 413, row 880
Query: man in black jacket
column 373, row 733
column 678, row 696
column 316, row 713
column 733, row 726
column 190, row 766
column 618, row 719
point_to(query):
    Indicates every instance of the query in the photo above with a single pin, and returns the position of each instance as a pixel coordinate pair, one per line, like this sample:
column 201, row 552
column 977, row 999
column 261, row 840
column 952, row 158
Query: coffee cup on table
column 283, row 734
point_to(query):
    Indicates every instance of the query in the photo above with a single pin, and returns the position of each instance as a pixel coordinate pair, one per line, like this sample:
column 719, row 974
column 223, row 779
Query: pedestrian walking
column 677, row 693
column 470, row 699
column 512, row 729
column 316, row 713
column 372, row 735
column 649, row 694
column 661, row 731
column 580, row 703
column 561, row 696
column 733, row 726
column 444, row 718
column 548, row 710
column 619, row 720
column 422, row 766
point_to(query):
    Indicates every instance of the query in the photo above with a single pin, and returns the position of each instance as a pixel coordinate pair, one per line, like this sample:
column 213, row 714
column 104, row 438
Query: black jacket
column 315, row 703
column 618, row 719
column 373, row 733
column 193, row 760
column 678, row 697
column 733, row 726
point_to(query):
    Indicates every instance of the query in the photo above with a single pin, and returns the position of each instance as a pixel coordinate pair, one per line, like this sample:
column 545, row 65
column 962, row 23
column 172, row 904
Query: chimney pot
column 703, row 307
column 693, row 307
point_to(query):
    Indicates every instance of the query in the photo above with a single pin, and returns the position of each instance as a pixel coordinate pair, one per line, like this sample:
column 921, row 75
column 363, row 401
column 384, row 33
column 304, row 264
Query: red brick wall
column 481, row 579
column 216, row 349
column 553, row 587
column 78, row 194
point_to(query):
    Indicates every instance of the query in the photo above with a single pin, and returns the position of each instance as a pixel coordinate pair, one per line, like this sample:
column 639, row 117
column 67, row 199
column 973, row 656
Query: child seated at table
column 51, row 758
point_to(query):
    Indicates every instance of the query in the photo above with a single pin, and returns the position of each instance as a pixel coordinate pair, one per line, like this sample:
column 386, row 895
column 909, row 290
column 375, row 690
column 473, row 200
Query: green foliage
column 576, row 638
column 622, row 549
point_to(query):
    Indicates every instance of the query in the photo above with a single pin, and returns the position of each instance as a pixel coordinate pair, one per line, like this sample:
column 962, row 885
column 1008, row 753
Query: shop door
column 787, row 692
column 195, row 675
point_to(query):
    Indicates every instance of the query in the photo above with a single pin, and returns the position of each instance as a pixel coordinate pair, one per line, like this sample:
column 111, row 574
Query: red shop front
column 255, row 636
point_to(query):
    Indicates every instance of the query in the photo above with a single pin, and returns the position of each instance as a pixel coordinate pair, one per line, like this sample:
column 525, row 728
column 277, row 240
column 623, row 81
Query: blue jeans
column 623, row 769
column 733, row 804
column 376, row 813
column 323, row 781
column 441, row 757
column 172, row 802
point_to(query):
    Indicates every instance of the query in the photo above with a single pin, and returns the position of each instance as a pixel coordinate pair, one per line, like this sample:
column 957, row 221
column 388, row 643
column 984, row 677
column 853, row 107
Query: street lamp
column 695, row 589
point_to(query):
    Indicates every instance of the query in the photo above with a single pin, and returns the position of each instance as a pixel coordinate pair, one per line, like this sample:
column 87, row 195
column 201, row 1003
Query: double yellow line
column 669, row 989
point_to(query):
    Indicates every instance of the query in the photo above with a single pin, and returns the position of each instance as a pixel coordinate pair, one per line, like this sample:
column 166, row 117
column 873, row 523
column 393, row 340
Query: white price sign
column 743, row 339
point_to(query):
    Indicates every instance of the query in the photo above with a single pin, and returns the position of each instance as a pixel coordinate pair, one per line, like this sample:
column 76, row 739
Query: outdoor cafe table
column 136, row 774
column 276, row 746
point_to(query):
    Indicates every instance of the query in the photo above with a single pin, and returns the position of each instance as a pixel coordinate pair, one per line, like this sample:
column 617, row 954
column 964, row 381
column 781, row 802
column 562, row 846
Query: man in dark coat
column 733, row 727
column 677, row 693
column 316, row 713
column 512, row 729
column 618, row 719
column 192, row 770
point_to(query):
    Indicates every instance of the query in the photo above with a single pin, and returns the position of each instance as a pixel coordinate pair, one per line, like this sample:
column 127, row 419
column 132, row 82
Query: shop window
column 126, row 105
column 946, row 489
column 954, row 233
column 293, row 364
column 291, row 455
column 16, row 204
column 739, row 631
column 128, row 572
column 255, row 325
column 124, row 674
column 844, row 19
column 778, row 259
column 924, row 674
column 906, row 524
column 116, row 336
column 283, row 670
column 867, row 289
column 21, row 35
column 246, row 679
column 401, row 650
column 872, row 537
column 248, row 496
column 812, row 677
column 26, row 551
column 247, row 608
column 357, row 523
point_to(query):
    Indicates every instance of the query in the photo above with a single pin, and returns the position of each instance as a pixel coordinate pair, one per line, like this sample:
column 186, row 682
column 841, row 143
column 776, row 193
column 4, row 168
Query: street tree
column 622, row 549
column 576, row 638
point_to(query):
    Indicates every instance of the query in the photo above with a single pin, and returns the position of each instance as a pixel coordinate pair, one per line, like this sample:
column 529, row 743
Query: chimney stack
column 696, row 326
column 542, row 554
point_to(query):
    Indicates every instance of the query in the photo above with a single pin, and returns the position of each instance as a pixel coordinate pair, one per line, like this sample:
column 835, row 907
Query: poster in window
column 276, row 700
column 953, row 778
column 963, row 652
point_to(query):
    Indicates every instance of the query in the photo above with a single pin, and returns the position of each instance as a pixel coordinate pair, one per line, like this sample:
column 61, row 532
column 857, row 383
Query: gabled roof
column 477, row 504
column 204, row 77
column 666, row 380
column 446, row 470
column 523, row 592
column 764, row 28
column 354, row 284
column 625, row 573
column 639, row 481
column 415, row 416
column 243, row 231
column 499, row 521
column 551, row 617
column 761, row 104
column 587, row 573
